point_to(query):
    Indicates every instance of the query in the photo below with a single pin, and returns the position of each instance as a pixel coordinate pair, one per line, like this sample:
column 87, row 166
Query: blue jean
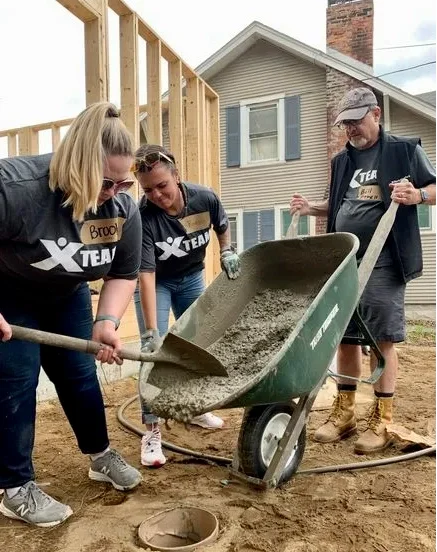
column 72, row 373
column 177, row 294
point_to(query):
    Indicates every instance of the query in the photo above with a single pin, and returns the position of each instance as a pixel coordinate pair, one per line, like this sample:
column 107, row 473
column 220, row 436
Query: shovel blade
column 187, row 355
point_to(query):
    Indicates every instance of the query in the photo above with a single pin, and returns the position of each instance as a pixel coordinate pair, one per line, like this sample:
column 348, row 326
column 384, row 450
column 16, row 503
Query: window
column 236, row 228
column 425, row 217
column 258, row 226
column 233, row 230
column 263, row 130
column 303, row 227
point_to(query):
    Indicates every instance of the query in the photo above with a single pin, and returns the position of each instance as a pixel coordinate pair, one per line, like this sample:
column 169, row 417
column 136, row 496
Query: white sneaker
column 208, row 421
column 151, row 451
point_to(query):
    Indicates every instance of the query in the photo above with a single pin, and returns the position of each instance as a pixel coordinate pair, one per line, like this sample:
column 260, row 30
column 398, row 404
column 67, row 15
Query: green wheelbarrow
column 321, row 276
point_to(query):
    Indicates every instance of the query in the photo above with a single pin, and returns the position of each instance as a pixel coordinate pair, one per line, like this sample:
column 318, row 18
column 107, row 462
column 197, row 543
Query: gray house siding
column 405, row 123
column 265, row 70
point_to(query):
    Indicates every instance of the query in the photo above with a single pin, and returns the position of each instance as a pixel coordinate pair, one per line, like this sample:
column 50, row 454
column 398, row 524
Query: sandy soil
column 380, row 509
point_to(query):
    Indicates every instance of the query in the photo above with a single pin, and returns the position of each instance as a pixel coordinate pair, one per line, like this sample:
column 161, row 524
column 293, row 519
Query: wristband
column 102, row 317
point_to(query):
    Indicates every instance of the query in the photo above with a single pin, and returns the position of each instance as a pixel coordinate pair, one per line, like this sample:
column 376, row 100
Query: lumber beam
column 96, row 60
column 28, row 142
column 56, row 137
column 85, row 10
column 175, row 116
column 12, row 144
column 154, row 112
column 192, row 130
column 128, row 74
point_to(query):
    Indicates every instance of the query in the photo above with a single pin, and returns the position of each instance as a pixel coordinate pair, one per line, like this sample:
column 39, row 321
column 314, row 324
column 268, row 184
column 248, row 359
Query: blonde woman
column 64, row 221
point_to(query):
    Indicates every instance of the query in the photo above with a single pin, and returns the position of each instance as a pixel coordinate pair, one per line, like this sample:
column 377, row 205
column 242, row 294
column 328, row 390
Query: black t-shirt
column 175, row 246
column 362, row 206
column 41, row 246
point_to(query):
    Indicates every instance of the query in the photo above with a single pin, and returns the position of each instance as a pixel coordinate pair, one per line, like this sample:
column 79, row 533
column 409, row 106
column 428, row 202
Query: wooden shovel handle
column 72, row 343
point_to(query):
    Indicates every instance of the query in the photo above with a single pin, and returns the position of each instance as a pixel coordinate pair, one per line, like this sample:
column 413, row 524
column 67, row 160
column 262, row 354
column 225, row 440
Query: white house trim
column 238, row 213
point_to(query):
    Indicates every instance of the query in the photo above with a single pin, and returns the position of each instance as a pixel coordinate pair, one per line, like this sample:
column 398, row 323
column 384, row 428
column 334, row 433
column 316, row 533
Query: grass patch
column 421, row 332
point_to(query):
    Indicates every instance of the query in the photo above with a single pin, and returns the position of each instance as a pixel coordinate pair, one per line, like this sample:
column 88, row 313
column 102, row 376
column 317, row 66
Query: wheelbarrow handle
column 292, row 231
column 72, row 343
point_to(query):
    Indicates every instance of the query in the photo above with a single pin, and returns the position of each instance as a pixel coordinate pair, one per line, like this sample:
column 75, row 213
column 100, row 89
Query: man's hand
column 404, row 193
column 230, row 263
column 299, row 203
column 5, row 330
column 150, row 341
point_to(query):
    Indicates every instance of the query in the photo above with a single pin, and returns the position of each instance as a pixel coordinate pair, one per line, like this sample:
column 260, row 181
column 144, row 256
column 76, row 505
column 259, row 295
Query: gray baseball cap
column 355, row 104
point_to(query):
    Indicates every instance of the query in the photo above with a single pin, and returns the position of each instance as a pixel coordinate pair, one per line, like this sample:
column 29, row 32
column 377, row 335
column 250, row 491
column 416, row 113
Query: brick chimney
column 349, row 28
column 349, row 31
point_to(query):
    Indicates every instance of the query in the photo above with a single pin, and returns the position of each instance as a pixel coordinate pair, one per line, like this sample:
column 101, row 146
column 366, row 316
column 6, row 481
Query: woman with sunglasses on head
column 64, row 222
column 176, row 218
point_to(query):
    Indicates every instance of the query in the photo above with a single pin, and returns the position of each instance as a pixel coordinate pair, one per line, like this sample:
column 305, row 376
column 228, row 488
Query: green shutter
column 233, row 136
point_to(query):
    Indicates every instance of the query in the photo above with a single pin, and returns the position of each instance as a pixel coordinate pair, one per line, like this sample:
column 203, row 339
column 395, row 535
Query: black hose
column 223, row 460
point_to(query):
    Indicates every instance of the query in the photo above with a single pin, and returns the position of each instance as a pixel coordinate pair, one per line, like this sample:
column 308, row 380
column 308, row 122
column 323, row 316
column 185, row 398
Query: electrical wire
column 399, row 70
column 222, row 460
column 406, row 46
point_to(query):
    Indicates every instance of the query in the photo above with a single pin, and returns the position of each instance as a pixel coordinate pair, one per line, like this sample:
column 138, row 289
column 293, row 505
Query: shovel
column 174, row 350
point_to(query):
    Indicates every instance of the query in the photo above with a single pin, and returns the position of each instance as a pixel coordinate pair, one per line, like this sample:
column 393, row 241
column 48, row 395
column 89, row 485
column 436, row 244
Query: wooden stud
column 56, row 137
column 202, row 134
column 192, row 130
column 154, row 113
column 12, row 144
column 213, row 164
column 128, row 74
column 96, row 59
column 28, row 142
column 175, row 116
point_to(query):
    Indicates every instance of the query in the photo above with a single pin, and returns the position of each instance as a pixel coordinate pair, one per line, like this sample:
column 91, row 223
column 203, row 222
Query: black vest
column 396, row 153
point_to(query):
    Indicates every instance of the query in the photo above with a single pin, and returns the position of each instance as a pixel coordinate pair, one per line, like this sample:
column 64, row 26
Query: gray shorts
column 382, row 307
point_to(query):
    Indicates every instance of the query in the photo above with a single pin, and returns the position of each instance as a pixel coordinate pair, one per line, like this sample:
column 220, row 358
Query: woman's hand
column 104, row 333
column 5, row 329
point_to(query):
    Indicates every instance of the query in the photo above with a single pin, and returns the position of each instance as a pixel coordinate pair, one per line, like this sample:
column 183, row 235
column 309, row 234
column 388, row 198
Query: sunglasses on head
column 149, row 161
column 120, row 186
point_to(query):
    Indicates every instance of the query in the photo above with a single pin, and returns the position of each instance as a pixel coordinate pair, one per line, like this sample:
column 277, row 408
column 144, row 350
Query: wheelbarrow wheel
column 261, row 430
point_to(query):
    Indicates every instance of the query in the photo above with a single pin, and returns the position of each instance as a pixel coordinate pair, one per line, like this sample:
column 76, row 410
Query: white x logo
column 171, row 247
column 60, row 256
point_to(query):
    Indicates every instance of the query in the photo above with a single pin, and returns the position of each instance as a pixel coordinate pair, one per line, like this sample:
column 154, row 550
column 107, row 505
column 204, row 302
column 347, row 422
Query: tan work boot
column 376, row 437
column 341, row 422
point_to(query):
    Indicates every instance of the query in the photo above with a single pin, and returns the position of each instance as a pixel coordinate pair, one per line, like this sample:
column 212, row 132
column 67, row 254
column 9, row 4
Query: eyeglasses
column 351, row 122
column 120, row 186
column 149, row 161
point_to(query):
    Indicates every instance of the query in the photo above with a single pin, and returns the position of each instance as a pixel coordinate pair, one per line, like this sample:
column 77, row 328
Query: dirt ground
column 390, row 508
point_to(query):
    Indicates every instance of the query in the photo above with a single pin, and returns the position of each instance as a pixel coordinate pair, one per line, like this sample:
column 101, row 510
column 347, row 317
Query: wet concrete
column 245, row 349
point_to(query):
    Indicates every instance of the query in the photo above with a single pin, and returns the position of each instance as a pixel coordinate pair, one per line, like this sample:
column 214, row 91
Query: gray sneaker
column 33, row 505
column 111, row 468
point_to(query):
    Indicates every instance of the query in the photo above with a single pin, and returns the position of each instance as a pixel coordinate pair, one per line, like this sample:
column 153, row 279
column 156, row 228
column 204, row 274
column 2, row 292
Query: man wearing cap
column 365, row 177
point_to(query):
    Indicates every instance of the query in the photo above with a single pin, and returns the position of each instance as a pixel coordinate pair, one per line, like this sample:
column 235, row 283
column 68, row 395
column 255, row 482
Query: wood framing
column 190, row 105
column 154, row 113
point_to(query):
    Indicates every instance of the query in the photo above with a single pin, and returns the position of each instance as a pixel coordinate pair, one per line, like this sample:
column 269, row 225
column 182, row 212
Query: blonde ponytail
column 77, row 166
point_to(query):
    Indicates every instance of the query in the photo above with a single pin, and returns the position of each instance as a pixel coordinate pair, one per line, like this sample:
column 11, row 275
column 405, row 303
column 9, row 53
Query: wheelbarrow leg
column 290, row 437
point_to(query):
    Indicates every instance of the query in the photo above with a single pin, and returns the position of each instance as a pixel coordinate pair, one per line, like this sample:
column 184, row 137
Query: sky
column 42, row 63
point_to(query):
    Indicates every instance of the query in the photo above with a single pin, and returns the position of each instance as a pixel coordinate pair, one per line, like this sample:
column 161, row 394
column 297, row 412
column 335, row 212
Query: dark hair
column 150, row 151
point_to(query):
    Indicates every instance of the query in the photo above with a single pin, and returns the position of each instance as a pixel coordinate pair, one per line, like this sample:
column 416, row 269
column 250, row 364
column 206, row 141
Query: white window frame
column 244, row 130
column 238, row 213
column 430, row 230
column 278, row 221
